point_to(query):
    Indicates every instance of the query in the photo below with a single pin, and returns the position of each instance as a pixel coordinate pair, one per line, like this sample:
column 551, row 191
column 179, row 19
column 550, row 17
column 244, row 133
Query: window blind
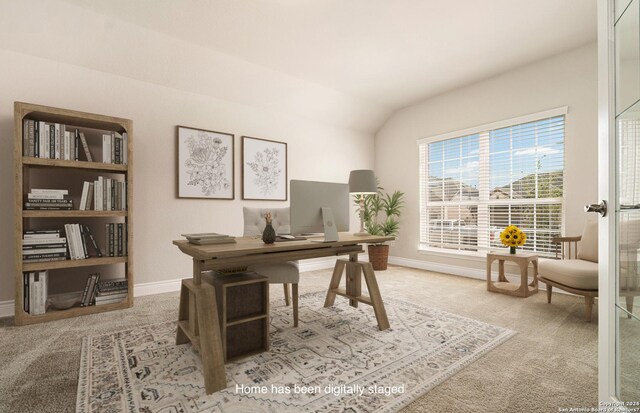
column 473, row 186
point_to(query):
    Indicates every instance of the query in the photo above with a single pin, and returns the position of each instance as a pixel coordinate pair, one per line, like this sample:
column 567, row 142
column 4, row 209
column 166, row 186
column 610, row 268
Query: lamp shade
column 362, row 181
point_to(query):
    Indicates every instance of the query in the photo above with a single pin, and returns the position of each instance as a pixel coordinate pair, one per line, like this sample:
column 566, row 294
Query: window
column 474, row 184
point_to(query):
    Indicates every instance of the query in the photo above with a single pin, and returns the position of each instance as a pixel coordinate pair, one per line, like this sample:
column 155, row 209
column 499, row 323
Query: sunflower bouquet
column 513, row 237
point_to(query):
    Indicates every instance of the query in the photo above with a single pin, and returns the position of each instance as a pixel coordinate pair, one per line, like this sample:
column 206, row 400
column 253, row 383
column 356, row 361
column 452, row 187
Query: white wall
column 321, row 144
column 569, row 80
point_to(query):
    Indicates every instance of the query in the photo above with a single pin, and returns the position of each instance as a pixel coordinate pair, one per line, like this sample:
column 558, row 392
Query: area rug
column 335, row 361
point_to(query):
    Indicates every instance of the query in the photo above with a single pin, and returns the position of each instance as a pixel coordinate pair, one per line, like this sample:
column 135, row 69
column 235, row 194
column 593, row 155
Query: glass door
column 627, row 214
column 619, row 182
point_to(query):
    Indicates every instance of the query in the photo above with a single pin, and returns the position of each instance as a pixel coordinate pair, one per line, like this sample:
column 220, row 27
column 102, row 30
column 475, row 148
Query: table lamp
column 362, row 182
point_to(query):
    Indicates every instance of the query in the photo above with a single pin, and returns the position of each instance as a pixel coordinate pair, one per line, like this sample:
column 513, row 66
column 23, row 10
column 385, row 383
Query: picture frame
column 264, row 169
column 205, row 164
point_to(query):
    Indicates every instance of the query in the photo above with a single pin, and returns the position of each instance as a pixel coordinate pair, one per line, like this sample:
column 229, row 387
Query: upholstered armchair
column 278, row 273
column 577, row 269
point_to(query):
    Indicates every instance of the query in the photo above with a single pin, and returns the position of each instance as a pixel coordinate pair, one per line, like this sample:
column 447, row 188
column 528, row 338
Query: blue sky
column 459, row 159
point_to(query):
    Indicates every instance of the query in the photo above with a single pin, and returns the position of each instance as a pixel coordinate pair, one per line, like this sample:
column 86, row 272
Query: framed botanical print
column 205, row 164
column 264, row 169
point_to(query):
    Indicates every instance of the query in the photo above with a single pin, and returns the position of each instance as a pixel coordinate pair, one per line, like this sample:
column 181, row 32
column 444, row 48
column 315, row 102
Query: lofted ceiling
column 390, row 52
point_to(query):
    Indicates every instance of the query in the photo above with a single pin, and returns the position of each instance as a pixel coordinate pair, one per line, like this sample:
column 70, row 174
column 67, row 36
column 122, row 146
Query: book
column 89, row 197
column 88, row 233
column 76, row 146
column 85, row 146
column 106, row 148
column 37, row 251
column 43, row 256
column 43, row 241
column 83, row 244
column 44, row 196
column 210, row 241
column 95, row 288
column 110, row 300
column 111, row 293
column 83, row 197
column 25, row 292
column 125, row 148
column 50, row 191
column 43, row 246
column 204, row 235
column 119, row 239
column 85, row 292
column 36, row 139
column 25, row 137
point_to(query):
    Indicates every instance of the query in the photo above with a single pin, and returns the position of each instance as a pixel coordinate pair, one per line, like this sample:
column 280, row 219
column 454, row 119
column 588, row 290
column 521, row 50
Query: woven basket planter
column 378, row 256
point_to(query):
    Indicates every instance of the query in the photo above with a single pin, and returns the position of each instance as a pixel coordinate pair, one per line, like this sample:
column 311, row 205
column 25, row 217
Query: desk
column 198, row 316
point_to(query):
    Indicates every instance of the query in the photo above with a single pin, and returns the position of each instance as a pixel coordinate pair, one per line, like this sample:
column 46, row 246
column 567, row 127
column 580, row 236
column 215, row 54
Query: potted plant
column 381, row 214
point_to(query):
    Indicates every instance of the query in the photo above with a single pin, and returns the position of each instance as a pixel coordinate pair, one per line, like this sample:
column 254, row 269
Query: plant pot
column 512, row 250
column 378, row 256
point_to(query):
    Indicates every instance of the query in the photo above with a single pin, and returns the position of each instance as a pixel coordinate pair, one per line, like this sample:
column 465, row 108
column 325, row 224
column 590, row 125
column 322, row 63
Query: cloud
column 541, row 150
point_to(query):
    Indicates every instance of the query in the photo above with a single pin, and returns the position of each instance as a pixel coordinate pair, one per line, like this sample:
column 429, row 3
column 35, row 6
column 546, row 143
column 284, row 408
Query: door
column 619, row 185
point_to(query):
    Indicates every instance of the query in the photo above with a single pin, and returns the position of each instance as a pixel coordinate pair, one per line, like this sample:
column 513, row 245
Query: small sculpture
column 269, row 234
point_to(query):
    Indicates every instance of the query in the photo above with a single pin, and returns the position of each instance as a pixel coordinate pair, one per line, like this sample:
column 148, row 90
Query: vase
column 378, row 256
column 512, row 250
column 269, row 234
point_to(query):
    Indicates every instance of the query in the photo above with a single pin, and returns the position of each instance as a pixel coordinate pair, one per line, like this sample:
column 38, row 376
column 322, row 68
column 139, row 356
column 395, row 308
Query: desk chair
column 278, row 273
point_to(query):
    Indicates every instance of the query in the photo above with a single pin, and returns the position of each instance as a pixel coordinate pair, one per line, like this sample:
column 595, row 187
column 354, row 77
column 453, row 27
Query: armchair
column 577, row 269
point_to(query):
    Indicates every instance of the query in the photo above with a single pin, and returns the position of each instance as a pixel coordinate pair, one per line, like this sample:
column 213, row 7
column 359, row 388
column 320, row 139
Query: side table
column 523, row 259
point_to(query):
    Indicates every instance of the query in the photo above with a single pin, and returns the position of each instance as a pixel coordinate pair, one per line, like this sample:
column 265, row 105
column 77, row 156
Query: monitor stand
column 330, row 230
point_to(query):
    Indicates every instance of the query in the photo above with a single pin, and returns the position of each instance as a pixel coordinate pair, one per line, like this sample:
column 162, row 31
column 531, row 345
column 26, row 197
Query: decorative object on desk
column 513, row 237
column 362, row 182
column 269, row 234
column 205, row 164
column 426, row 347
column 264, row 169
column 381, row 213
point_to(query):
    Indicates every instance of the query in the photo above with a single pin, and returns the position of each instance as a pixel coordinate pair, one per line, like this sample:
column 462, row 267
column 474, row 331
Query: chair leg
column 549, row 288
column 588, row 308
column 629, row 300
column 294, row 291
column 286, row 294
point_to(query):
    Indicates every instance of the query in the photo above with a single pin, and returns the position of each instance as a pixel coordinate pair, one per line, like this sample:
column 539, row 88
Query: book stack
column 53, row 141
column 90, row 289
column 48, row 199
column 109, row 194
column 116, row 239
column 35, row 292
column 111, row 291
column 43, row 245
column 207, row 238
column 114, row 148
column 79, row 238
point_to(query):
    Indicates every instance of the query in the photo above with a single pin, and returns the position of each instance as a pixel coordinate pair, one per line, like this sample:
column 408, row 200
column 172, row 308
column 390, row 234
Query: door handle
column 600, row 208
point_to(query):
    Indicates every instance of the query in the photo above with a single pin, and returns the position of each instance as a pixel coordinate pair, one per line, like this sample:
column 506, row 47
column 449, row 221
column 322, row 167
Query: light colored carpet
column 337, row 357
column 550, row 363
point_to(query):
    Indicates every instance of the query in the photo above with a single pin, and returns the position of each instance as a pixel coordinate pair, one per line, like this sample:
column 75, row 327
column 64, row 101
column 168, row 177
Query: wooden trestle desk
column 198, row 316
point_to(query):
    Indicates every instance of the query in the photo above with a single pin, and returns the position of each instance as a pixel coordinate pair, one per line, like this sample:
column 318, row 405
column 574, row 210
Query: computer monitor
column 307, row 200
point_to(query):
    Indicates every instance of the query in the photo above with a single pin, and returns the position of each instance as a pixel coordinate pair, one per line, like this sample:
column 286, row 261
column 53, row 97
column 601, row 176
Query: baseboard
column 7, row 308
column 157, row 287
column 456, row 270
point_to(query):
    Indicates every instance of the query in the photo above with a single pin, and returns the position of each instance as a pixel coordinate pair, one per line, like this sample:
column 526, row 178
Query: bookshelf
column 33, row 172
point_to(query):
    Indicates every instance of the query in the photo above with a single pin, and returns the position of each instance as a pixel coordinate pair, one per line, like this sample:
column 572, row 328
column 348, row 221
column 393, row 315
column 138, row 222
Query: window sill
column 474, row 256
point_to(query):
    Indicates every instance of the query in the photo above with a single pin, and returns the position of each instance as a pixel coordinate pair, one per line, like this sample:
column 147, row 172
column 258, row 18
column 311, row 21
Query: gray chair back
column 254, row 221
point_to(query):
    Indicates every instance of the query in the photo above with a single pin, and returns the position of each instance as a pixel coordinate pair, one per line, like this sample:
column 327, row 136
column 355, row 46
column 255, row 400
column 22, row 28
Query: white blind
column 473, row 186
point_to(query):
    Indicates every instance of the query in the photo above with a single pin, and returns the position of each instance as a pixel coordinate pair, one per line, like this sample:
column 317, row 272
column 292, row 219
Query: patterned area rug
column 335, row 361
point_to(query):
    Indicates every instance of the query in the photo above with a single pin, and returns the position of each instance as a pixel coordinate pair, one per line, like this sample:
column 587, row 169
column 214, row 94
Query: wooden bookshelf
column 77, row 170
